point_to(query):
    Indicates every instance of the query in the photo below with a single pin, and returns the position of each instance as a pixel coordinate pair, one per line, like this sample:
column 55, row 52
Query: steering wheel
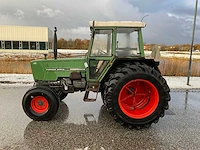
column 100, row 51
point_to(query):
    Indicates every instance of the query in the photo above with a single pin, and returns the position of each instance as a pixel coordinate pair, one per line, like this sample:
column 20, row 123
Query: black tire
column 63, row 113
column 62, row 96
column 104, row 85
column 40, row 104
column 59, row 94
column 125, row 81
column 102, row 96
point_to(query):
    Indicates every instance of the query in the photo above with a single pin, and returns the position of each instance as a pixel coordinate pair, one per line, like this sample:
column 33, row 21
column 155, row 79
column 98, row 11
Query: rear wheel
column 40, row 104
column 137, row 95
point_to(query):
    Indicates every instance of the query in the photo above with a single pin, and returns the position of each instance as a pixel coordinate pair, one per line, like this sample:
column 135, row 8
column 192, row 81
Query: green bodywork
column 53, row 69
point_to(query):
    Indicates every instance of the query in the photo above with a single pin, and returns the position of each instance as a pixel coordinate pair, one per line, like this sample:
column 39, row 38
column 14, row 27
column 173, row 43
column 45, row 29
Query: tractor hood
column 52, row 69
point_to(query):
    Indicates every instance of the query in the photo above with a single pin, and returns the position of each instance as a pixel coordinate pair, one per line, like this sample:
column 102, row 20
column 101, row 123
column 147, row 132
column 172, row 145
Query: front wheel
column 40, row 104
column 62, row 96
column 137, row 95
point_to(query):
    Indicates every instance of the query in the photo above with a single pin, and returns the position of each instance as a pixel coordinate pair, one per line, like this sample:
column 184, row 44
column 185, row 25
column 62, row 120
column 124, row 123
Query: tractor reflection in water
column 101, row 134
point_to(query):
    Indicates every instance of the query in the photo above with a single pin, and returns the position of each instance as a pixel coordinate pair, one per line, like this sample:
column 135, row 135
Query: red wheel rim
column 138, row 98
column 39, row 104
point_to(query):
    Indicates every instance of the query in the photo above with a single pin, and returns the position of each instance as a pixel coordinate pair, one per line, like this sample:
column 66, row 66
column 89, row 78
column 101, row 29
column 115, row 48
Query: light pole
column 144, row 17
column 192, row 44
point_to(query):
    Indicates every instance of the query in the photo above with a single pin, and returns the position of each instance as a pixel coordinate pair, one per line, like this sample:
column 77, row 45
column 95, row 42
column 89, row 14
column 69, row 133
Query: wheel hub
column 138, row 98
column 39, row 104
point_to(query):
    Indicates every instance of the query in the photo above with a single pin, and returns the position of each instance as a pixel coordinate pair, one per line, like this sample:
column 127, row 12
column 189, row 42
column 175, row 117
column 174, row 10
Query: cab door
column 100, row 54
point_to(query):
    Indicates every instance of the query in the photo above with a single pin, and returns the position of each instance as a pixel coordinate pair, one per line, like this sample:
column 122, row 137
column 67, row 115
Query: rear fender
column 150, row 62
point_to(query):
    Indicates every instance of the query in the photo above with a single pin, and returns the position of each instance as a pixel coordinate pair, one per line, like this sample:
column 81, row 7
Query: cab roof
column 136, row 24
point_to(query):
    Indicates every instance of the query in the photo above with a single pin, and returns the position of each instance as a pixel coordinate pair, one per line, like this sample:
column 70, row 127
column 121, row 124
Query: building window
column 7, row 44
column 20, row 44
column 25, row 45
column 15, row 44
column 50, row 45
column 37, row 45
column 32, row 45
column 2, row 44
column 42, row 45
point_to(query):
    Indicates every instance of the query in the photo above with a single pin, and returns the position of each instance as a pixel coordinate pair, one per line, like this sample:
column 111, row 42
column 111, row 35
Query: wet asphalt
column 82, row 125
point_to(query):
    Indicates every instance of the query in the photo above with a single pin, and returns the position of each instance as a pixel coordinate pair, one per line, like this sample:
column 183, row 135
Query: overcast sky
column 168, row 21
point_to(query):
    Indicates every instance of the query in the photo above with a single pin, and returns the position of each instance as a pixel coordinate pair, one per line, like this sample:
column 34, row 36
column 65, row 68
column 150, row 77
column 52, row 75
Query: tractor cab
column 120, row 39
column 110, row 41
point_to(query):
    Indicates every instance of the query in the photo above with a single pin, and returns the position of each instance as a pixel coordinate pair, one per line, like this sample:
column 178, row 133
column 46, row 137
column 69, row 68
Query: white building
column 25, row 39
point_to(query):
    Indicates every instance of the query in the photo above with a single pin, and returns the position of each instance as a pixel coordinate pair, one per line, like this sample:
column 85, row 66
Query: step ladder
column 94, row 88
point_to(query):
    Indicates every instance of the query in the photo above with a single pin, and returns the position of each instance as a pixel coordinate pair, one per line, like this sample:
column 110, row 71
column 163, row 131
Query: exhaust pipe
column 55, row 44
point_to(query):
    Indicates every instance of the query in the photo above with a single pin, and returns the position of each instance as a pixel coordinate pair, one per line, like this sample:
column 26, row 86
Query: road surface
column 87, row 126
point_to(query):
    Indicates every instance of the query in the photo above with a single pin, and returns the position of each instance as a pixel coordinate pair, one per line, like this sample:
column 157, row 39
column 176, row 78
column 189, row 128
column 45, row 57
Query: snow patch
column 27, row 80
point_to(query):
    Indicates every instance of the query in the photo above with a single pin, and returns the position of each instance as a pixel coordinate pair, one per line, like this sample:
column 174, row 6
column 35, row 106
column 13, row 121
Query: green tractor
column 131, row 86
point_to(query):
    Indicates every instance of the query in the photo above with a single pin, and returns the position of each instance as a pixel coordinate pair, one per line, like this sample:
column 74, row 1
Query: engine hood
column 52, row 69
